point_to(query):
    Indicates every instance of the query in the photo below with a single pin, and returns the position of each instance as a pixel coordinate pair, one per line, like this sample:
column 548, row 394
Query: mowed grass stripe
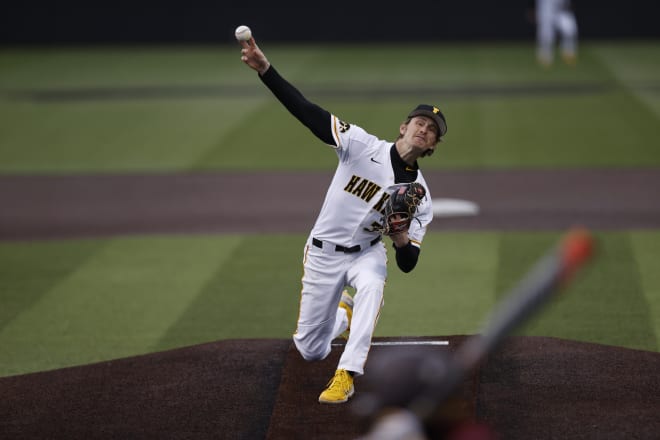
column 618, row 117
column 255, row 294
column 29, row 270
column 117, row 302
column 604, row 304
column 636, row 67
column 646, row 247
column 267, row 137
column 499, row 133
column 108, row 299
column 100, row 137
column 450, row 291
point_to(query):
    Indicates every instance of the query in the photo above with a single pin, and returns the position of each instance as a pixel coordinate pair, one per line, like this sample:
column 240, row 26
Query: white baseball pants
column 326, row 274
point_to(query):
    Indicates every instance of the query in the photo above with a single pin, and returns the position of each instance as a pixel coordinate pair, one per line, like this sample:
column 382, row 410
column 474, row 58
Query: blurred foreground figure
column 555, row 22
column 416, row 393
column 414, row 397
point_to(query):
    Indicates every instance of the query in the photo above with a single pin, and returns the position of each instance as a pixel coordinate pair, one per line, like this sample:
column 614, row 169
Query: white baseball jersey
column 362, row 183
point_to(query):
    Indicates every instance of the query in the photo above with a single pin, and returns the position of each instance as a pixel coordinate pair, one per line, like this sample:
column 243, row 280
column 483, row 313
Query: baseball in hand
column 243, row 33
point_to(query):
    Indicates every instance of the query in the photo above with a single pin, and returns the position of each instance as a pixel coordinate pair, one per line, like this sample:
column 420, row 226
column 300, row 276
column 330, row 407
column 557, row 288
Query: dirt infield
column 532, row 388
column 42, row 207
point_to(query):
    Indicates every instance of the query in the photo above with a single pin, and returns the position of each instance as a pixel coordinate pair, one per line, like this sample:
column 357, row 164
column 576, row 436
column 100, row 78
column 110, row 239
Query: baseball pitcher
column 377, row 190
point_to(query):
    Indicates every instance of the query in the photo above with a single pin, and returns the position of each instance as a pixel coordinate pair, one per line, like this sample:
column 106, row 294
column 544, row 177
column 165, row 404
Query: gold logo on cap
column 436, row 110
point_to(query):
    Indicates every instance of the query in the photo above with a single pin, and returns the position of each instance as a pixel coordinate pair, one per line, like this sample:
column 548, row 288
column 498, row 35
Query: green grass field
column 118, row 110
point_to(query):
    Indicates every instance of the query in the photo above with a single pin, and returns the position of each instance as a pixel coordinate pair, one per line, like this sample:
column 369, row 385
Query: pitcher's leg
column 366, row 311
column 367, row 275
column 545, row 31
column 322, row 284
column 568, row 30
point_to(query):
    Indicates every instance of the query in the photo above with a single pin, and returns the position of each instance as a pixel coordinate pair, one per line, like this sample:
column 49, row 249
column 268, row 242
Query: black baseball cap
column 432, row 112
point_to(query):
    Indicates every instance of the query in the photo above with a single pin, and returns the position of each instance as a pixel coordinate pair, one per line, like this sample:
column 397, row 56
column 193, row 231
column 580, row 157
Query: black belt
column 347, row 250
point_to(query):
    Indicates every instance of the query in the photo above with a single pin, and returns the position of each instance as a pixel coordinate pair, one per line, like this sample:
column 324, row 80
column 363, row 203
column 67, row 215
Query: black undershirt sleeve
column 311, row 115
column 406, row 257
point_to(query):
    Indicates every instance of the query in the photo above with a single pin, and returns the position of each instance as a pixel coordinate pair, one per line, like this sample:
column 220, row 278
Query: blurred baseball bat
column 419, row 384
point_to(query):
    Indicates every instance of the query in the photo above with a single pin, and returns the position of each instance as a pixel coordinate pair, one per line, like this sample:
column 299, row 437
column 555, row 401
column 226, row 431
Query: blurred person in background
column 555, row 23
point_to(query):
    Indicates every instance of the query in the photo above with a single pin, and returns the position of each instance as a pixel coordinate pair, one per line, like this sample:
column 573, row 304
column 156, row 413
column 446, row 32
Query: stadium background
column 301, row 21
column 154, row 94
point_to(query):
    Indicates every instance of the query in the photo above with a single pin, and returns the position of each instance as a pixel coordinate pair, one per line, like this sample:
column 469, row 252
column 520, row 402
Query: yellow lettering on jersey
column 352, row 183
column 358, row 191
column 363, row 188
column 370, row 191
column 381, row 203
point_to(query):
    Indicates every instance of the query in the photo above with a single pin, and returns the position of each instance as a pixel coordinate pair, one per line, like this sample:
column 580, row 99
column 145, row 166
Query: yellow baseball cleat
column 340, row 388
column 346, row 303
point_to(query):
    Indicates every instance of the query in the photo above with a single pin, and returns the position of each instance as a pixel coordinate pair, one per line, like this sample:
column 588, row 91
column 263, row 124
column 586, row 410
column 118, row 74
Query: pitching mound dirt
column 532, row 387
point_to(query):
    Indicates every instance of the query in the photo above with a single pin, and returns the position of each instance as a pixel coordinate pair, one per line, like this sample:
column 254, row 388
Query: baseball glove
column 401, row 207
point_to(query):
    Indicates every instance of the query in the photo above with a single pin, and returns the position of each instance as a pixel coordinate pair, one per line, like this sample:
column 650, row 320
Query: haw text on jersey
column 363, row 188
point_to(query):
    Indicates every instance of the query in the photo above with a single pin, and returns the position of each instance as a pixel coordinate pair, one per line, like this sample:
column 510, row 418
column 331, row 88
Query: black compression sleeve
column 311, row 115
column 406, row 257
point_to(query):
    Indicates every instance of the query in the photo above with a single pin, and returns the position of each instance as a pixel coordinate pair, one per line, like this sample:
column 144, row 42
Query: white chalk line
column 399, row 343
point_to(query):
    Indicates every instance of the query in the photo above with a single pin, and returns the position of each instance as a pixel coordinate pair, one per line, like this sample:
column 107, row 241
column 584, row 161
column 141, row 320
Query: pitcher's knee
column 312, row 350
